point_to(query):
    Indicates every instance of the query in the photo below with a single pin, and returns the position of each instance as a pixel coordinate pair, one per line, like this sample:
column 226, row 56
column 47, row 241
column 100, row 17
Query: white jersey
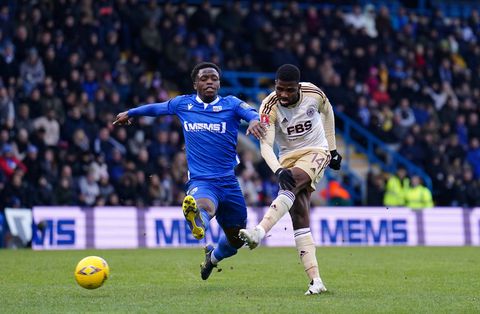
column 304, row 125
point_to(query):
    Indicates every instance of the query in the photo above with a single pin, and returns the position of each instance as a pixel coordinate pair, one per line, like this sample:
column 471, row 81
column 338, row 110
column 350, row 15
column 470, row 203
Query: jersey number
column 299, row 128
column 321, row 162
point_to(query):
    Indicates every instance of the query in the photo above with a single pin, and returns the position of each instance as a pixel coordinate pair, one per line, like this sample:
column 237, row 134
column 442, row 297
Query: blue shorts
column 227, row 197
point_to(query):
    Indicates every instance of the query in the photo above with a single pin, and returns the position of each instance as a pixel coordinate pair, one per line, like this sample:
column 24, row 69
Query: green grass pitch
column 266, row 280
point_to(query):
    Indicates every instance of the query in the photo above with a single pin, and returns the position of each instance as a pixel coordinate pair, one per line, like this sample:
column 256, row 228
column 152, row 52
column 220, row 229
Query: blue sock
column 223, row 250
column 206, row 218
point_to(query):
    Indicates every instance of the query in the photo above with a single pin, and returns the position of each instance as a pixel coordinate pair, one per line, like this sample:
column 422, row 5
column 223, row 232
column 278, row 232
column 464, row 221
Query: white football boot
column 316, row 286
column 251, row 237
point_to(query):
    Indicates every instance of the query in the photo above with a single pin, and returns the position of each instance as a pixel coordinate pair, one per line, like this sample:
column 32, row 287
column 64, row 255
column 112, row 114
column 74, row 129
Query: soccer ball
column 91, row 272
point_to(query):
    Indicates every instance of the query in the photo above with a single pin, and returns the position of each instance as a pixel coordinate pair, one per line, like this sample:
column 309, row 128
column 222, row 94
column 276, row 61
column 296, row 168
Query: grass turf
column 266, row 280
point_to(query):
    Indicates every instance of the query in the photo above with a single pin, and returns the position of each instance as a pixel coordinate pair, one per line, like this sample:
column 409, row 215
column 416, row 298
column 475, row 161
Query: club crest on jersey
column 264, row 118
column 310, row 112
column 192, row 191
column 217, row 108
column 209, row 127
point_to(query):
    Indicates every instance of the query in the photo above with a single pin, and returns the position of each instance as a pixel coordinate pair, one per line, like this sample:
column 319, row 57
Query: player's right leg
column 279, row 207
column 231, row 216
column 199, row 207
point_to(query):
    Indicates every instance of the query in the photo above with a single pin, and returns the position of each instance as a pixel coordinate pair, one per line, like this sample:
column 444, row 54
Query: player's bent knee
column 206, row 204
column 232, row 237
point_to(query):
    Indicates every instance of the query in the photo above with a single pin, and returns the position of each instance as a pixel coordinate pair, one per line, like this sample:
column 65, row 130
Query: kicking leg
column 280, row 206
column 304, row 241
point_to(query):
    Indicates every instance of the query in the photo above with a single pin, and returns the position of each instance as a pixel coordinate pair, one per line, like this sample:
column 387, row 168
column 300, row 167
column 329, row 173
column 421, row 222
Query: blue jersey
column 210, row 131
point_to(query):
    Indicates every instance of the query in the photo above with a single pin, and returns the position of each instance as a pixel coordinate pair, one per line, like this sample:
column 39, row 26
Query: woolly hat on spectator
column 32, row 149
column 7, row 148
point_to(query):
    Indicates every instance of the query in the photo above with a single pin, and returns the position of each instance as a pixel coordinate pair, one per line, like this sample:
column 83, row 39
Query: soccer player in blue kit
column 210, row 127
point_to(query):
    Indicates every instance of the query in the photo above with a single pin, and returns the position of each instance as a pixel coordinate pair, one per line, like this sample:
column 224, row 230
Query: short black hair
column 203, row 65
column 288, row 73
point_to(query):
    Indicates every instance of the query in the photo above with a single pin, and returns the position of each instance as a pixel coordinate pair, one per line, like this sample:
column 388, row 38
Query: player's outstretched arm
column 151, row 110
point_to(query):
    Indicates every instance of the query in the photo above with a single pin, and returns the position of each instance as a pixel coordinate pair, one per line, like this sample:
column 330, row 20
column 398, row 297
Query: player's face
column 287, row 92
column 207, row 84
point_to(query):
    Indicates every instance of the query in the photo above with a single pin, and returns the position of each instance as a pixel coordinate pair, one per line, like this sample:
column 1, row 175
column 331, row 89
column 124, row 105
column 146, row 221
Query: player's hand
column 122, row 119
column 285, row 179
column 257, row 129
column 335, row 161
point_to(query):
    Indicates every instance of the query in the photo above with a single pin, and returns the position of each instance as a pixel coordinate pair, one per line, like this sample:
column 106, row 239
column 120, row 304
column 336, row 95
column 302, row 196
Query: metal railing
column 376, row 150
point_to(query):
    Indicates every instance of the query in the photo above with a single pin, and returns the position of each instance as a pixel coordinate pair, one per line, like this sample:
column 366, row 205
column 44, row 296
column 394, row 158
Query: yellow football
column 91, row 272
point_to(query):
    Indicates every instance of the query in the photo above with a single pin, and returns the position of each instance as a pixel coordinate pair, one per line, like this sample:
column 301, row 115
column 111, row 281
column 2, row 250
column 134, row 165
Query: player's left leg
column 231, row 216
column 304, row 241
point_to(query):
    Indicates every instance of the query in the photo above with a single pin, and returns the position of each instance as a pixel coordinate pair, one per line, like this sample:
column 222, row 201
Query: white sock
column 280, row 206
column 213, row 259
column 261, row 231
column 307, row 252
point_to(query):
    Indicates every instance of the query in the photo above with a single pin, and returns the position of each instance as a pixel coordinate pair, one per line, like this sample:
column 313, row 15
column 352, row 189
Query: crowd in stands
column 67, row 67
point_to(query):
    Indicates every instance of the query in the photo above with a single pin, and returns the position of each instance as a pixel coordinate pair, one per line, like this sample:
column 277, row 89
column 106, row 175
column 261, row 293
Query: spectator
column 43, row 192
column 32, row 71
column 418, row 196
column 336, row 195
column 9, row 68
column 32, row 164
column 7, row 110
column 413, row 150
column 105, row 144
column 9, row 163
column 396, row 189
column 50, row 124
column 126, row 189
column 375, row 189
column 473, row 156
column 152, row 42
column 99, row 168
column 50, row 101
column 16, row 192
column 23, row 120
column 89, row 189
column 404, row 118
column 468, row 190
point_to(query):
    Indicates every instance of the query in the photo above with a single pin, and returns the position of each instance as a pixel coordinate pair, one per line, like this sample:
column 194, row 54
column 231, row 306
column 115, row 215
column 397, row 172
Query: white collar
column 205, row 104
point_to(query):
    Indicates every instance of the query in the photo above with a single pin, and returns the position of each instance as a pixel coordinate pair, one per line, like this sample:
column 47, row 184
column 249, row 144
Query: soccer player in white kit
column 300, row 119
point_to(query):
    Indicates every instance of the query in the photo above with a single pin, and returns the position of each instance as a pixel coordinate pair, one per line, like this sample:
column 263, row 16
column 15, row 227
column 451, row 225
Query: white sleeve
column 266, row 148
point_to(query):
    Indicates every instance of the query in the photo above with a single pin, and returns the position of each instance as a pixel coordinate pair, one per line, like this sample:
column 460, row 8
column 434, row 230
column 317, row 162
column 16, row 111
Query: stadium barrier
column 156, row 227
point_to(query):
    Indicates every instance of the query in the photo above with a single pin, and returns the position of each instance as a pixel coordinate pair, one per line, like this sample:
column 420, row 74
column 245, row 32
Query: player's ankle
column 316, row 280
column 213, row 259
column 261, row 231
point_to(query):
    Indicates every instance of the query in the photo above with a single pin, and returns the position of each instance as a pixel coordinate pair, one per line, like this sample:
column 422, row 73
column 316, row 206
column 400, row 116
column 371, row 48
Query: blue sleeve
column 245, row 111
column 157, row 109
